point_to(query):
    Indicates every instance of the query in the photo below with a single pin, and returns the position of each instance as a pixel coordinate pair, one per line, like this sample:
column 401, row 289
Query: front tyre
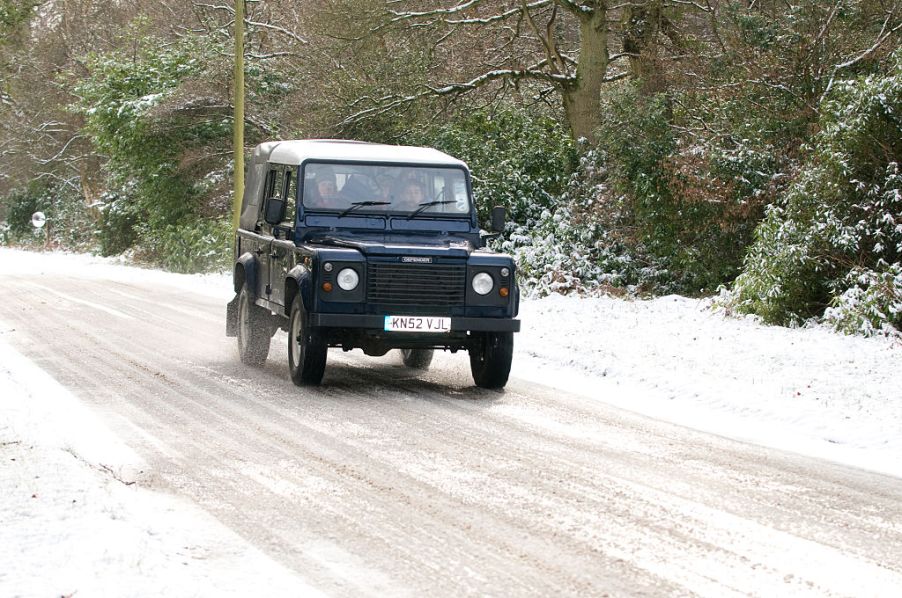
column 418, row 359
column 254, row 333
column 306, row 349
column 490, row 359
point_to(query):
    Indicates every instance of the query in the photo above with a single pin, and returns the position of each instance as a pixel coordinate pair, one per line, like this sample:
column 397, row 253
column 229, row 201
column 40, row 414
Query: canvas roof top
column 296, row 151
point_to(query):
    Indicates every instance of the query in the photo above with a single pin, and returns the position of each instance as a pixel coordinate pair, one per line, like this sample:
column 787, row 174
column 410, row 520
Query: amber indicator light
column 503, row 292
column 327, row 286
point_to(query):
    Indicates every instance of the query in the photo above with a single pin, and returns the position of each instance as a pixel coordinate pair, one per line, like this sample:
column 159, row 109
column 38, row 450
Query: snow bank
column 91, row 267
column 810, row 390
column 73, row 524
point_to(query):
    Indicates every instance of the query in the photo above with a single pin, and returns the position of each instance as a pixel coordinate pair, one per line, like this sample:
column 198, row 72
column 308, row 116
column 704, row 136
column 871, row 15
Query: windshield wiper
column 361, row 204
column 429, row 204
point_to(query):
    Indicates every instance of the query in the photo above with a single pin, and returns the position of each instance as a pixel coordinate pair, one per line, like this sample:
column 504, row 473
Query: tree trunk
column 641, row 25
column 91, row 177
column 582, row 98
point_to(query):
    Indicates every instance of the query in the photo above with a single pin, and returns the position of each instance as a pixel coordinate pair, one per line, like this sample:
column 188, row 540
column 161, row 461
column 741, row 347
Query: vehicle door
column 281, row 251
column 263, row 240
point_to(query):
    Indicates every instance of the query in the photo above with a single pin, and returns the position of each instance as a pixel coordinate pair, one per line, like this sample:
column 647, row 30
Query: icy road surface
column 386, row 482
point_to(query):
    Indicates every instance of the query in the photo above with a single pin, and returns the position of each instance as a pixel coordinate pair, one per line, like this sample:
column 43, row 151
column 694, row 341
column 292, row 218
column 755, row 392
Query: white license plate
column 417, row 324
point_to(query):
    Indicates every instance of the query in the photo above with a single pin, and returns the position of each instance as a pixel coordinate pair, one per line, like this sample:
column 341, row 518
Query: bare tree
column 567, row 49
column 561, row 45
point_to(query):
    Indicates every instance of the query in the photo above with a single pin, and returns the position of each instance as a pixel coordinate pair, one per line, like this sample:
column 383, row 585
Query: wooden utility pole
column 238, row 138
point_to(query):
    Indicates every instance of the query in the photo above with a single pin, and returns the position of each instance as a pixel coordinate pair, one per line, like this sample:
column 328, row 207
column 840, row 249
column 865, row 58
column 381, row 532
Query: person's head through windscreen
column 321, row 191
column 412, row 195
column 326, row 189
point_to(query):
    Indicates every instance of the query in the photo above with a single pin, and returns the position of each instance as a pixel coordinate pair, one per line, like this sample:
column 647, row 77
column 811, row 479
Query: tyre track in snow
column 385, row 483
column 115, row 361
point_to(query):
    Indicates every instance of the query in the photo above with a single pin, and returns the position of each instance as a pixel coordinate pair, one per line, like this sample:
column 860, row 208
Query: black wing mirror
column 499, row 216
column 275, row 210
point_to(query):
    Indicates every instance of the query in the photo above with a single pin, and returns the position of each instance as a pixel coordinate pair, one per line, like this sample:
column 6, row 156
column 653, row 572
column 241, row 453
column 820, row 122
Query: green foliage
column 14, row 14
column 687, row 207
column 70, row 224
column 18, row 208
column 839, row 222
column 519, row 160
column 198, row 246
column 118, row 225
column 871, row 302
column 151, row 135
column 577, row 246
column 120, row 100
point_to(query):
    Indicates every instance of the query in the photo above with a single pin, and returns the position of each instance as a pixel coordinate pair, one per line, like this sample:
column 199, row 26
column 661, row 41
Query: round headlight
column 348, row 279
column 483, row 283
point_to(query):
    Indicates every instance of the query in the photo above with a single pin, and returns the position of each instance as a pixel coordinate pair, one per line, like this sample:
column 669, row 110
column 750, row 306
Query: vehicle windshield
column 404, row 190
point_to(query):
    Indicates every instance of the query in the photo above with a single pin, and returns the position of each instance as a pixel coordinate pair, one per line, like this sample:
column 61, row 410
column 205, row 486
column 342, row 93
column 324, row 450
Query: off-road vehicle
column 373, row 247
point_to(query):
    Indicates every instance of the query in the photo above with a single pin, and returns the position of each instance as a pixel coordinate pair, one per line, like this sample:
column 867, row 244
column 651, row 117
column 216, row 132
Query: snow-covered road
column 385, row 482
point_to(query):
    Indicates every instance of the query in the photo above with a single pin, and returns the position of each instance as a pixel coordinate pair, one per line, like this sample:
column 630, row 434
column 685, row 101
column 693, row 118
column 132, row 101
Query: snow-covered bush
column 198, row 246
column 688, row 202
column 162, row 131
column 70, row 223
column 870, row 304
column 577, row 247
column 126, row 104
column 554, row 256
column 835, row 236
column 120, row 215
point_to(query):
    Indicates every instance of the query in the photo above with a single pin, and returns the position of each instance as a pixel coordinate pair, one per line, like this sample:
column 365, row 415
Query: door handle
column 274, row 255
column 259, row 251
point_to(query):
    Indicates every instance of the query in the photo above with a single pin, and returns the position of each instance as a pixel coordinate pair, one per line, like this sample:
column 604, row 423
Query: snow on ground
column 807, row 390
column 66, row 510
column 72, row 522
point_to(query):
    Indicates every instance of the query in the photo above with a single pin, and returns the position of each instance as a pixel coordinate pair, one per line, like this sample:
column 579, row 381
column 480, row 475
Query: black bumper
column 378, row 323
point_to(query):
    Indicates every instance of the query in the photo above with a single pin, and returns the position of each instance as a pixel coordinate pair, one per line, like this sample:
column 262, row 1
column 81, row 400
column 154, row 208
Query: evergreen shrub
column 835, row 237
column 156, row 136
column 687, row 204
column 71, row 225
column 871, row 302
column 519, row 160
column 580, row 246
column 119, row 217
column 199, row 246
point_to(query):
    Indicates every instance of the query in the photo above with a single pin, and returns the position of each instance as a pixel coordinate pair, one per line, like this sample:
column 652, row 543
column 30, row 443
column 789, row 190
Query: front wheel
column 253, row 330
column 306, row 349
column 418, row 359
column 490, row 359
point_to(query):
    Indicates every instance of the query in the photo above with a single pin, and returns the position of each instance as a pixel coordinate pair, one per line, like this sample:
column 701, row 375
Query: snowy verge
column 75, row 524
column 807, row 390
column 91, row 267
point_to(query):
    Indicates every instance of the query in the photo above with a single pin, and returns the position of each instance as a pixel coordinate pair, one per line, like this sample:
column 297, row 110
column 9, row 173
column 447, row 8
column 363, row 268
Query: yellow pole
column 238, row 139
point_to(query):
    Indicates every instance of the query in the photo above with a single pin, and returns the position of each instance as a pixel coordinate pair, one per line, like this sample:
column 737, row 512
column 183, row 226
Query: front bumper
column 371, row 322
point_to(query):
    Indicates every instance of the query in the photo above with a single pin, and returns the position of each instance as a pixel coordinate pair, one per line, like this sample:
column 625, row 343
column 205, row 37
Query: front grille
column 416, row 284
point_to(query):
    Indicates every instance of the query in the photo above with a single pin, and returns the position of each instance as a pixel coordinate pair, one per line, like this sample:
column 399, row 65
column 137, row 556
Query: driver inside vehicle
column 324, row 193
column 412, row 196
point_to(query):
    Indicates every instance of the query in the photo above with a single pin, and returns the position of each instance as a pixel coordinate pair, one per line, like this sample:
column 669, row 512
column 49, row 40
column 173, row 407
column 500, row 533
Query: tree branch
column 389, row 103
column 881, row 38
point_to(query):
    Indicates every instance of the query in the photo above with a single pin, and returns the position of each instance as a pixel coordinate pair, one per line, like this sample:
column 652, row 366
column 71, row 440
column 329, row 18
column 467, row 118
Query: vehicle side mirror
column 499, row 215
column 275, row 210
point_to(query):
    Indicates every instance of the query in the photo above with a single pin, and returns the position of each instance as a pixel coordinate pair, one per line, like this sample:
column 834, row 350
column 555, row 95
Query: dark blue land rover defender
column 373, row 247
